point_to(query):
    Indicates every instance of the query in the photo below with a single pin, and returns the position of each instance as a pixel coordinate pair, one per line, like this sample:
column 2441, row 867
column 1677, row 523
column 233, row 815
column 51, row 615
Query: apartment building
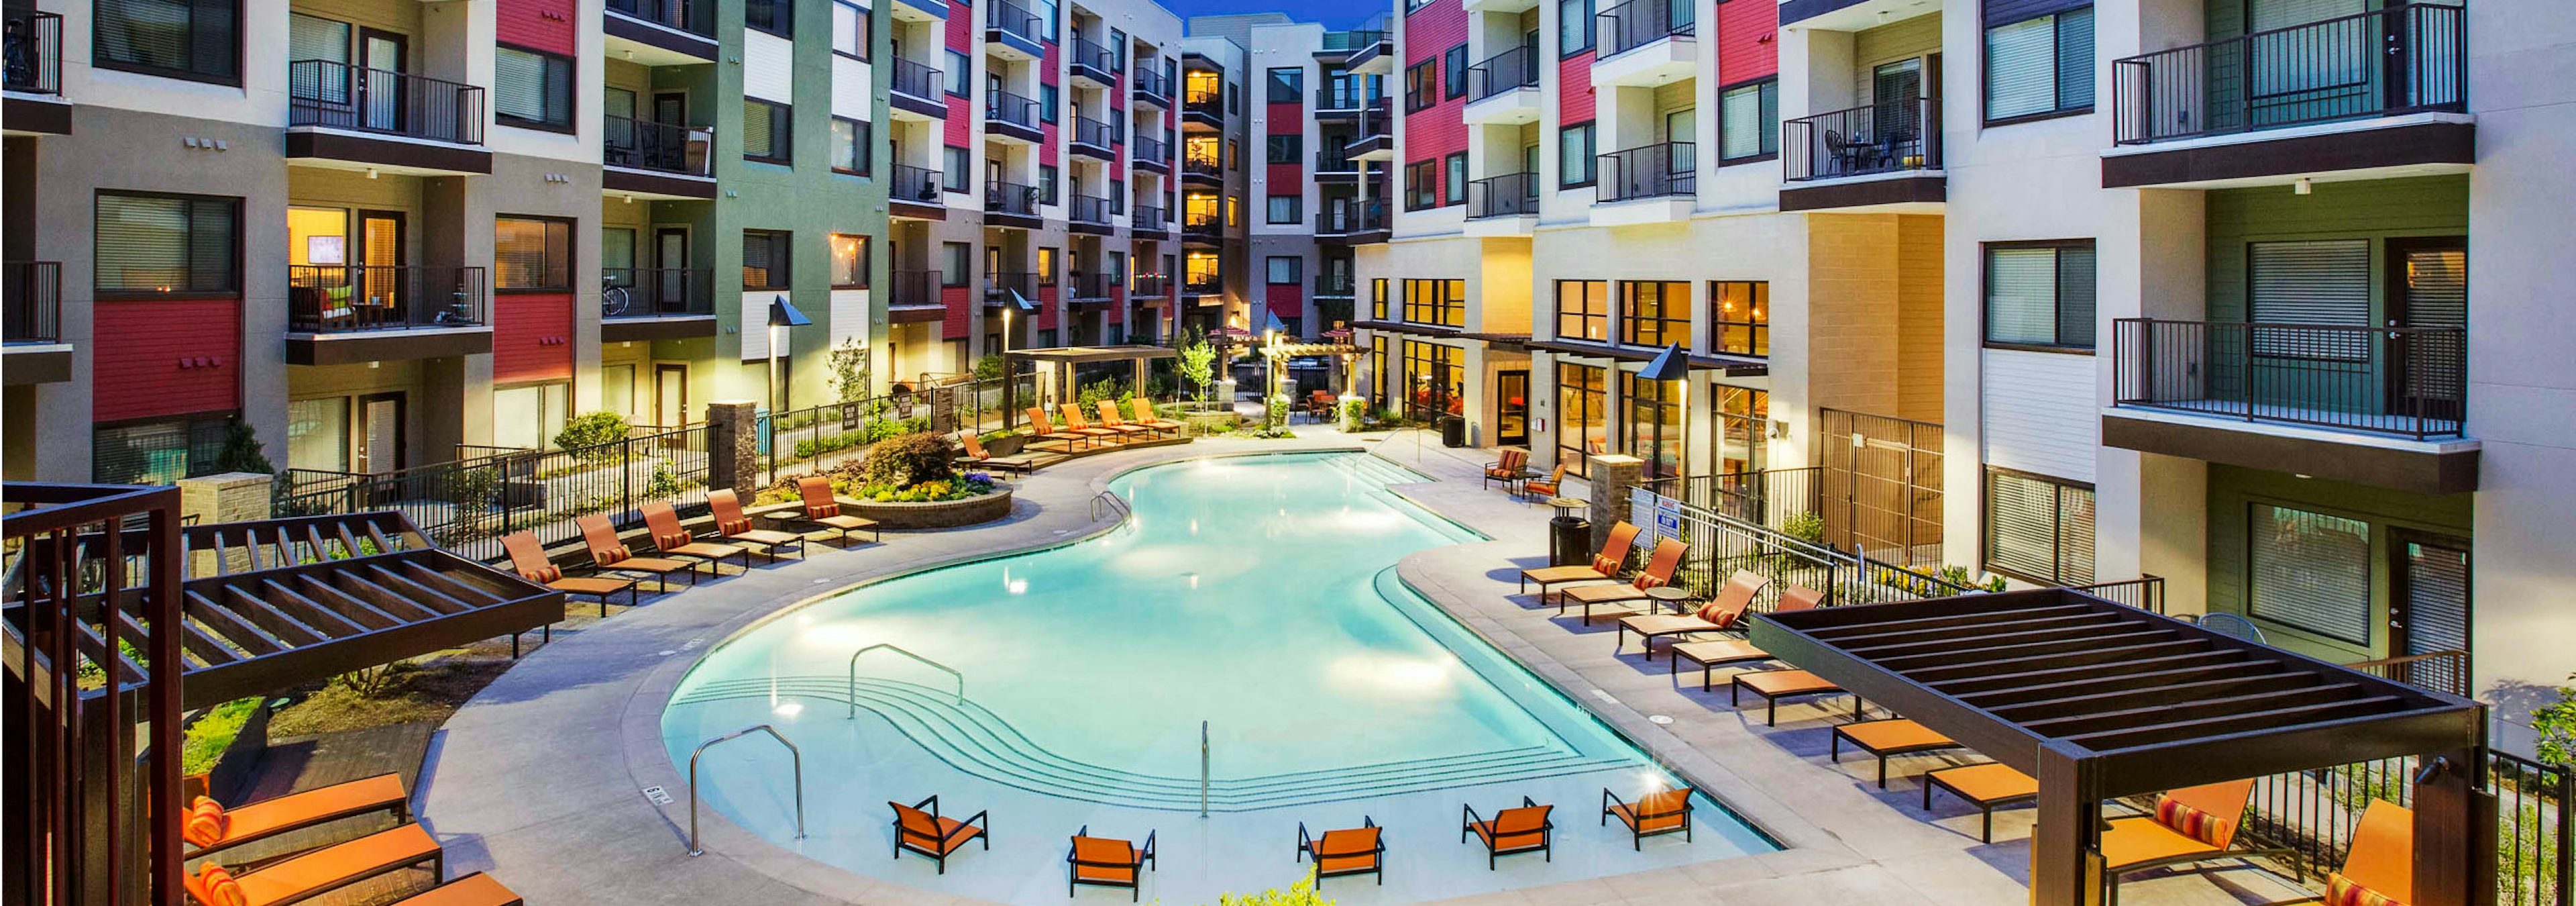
column 422, row 226
column 1315, row 113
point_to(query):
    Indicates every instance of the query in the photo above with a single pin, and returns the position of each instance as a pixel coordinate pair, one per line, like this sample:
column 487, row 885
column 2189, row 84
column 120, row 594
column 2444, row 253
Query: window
column 1574, row 156
column 1422, row 86
column 1377, row 303
column 1047, row 179
column 1050, row 24
column 1583, row 310
column 849, row 261
column 1740, row 312
column 1437, row 302
column 186, row 39
column 1049, row 100
column 1233, row 98
column 850, row 146
column 1456, row 184
column 1287, row 85
column 2309, row 282
column 1046, row 267
column 2038, row 528
column 2040, row 67
column 529, row 416
column 957, row 168
column 2309, row 571
column 1748, row 122
column 1233, row 154
column 1742, row 439
column 1285, row 208
column 532, row 89
column 955, row 263
column 2040, row 294
column 766, row 132
column 777, row 17
column 1285, row 149
column 157, row 452
column 1422, row 185
column 1431, row 373
column 850, row 29
column 765, row 259
column 1233, row 210
column 317, row 432
column 531, row 253
column 1652, row 414
column 961, row 68
column 1653, row 312
column 1582, row 414
column 1285, row 270
column 158, row 245
column 1573, row 26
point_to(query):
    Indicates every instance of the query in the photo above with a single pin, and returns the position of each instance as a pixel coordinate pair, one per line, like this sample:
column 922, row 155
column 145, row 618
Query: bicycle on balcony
column 613, row 299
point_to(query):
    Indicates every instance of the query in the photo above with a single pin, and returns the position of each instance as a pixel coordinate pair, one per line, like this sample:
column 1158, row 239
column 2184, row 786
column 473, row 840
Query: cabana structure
column 1060, row 362
column 2098, row 701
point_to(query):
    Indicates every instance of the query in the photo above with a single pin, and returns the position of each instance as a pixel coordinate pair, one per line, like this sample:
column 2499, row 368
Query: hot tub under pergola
column 2098, row 700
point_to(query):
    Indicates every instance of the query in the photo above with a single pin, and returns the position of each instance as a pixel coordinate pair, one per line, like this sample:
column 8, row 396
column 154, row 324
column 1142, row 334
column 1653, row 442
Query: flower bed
column 908, row 482
column 899, row 514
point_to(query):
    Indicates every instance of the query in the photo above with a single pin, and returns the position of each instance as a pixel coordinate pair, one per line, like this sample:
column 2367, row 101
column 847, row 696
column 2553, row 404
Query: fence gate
column 1882, row 486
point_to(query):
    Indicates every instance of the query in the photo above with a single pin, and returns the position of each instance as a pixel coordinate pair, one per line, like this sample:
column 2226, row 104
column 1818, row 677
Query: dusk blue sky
column 1333, row 13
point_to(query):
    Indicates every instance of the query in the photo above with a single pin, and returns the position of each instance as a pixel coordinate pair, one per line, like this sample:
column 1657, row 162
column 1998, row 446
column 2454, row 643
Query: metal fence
column 1720, row 545
column 1886, row 137
column 813, row 440
column 1882, row 486
column 335, row 298
column 2313, row 813
column 2399, row 59
column 1652, row 171
column 1769, row 498
column 341, row 96
column 468, row 504
column 2402, row 381
column 1508, row 195
column 1512, row 69
column 1636, row 23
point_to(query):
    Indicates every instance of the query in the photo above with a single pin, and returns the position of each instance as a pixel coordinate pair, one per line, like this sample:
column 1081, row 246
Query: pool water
column 1250, row 607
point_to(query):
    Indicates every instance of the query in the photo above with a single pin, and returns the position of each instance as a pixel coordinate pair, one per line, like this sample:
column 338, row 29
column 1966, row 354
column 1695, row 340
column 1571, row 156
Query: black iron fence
column 467, row 505
column 1148, row 150
column 341, row 96
column 1508, row 195
column 1653, row 171
column 31, row 51
column 999, row 285
column 337, row 298
column 647, row 145
column 1150, row 219
column 642, row 292
column 2399, row 381
column 912, row 288
column 31, row 302
column 1208, row 103
column 1150, row 82
column 1720, row 545
column 1329, row 162
column 814, row 440
column 1334, row 283
column 2144, row 593
column 1512, row 69
column 1010, row 198
column 1096, row 133
column 1348, row 96
column 1088, row 209
column 2314, row 813
column 1098, row 59
column 2440, row 671
column 1005, row 107
column 1886, row 137
column 1202, row 226
column 1196, row 164
column 2405, row 58
column 1637, row 23
column 1012, row 18
column 915, row 184
column 916, row 79
column 691, row 16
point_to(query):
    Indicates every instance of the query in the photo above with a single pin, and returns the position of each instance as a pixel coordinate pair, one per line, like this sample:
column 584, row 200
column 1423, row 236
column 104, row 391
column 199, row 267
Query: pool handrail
column 898, row 649
column 1114, row 502
column 796, row 759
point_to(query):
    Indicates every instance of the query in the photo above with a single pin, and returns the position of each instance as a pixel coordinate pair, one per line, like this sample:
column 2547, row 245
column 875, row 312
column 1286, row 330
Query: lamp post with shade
column 782, row 315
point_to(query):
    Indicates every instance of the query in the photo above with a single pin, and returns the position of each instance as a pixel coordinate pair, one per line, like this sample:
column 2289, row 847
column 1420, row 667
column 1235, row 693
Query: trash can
column 1569, row 541
column 1453, row 431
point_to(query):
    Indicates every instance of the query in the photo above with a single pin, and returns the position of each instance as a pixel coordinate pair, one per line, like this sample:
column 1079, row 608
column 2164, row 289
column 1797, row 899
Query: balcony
column 910, row 293
column 1662, row 179
column 1090, row 287
column 1503, row 90
column 1011, row 31
column 1335, row 104
column 1373, row 138
column 355, row 117
column 655, row 160
column 1505, row 205
column 1202, row 229
column 915, row 193
column 1882, row 154
column 33, row 74
column 1094, row 65
column 1334, row 286
column 1204, row 108
column 673, row 303
column 1011, row 204
column 1364, row 51
column 1150, row 286
column 1089, row 214
column 346, row 314
column 1336, row 168
column 1149, row 219
column 1202, row 168
column 1645, row 43
column 1010, row 117
column 1346, row 221
column 999, row 285
column 1150, row 155
column 2375, row 91
column 31, row 324
column 661, row 32
column 2382, row 406
column 1203, row 283
column 1153, row 89
column 1092, row 138
column 916, row 92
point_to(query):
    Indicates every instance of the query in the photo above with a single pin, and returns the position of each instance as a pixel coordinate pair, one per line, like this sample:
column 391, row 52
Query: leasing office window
column 777, row 17
column 1740, row 314
column 532, row 89
column 2309, row 571
column 2038, row 528
column 1574, row 156
column 186, row 39
column 2040, row 294
column 767, row 131
column 1377, row 300
column 1431, row 372
column 1438, row 302
column 849, row 261
column 1287, row 85
column 1582, row 414
column 850, row 29
column 161, row 451
column 2039, row 66
column 850, row 144
column 765, row 259
column 1284, row 208
column 1748, row 122
column 530, row 253
column 1455, row 61
column 1651, row 413
column 1654, row 312
column 1583, row 310
column 152, row 246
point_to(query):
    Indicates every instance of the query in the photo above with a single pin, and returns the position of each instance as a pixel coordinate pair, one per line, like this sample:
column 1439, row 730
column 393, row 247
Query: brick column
column 226, row 497
column 732, row 439
column 1612, row 475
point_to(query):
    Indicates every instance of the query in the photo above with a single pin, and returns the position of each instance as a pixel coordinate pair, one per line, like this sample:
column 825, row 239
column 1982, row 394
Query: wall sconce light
column 2302, row 187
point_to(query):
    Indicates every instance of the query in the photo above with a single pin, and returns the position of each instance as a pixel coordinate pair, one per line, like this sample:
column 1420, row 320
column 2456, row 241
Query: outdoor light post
column 782, row 315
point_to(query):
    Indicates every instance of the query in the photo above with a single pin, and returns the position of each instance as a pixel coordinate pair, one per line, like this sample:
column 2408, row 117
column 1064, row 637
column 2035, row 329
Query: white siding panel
column 754, row 318
column 849, row 316
column 2040, row 414
column 850, row 88
column 768, row 67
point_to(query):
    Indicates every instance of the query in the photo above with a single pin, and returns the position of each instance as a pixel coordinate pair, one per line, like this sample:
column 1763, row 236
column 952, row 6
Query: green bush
column 1301, row 893
column 1804, row 526
column 905, row 460
column 584, row 434
column 2556, row 722
column 205, row 741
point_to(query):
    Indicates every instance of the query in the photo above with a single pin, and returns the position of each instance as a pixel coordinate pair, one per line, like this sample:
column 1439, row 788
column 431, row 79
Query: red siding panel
column 1286, row 300
column 1748, row 45
column 1441, row 129
column 1047, row 317
column 168, row 358
column 1285, row 178
column 953, row 298
column 1117, row 304
column 537, row 25
column 531, row 337
column 1047, row 153
column 1574, row 89
column 1287, row 119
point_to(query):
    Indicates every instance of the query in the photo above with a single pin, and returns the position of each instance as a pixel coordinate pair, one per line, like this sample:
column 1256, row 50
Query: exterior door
column 671, row 395
column 2428, row 607
column 671, row 275
column 1511, row 408
column 2428, row 284
column 383, row 85
column 380, row 257
column 380, row 434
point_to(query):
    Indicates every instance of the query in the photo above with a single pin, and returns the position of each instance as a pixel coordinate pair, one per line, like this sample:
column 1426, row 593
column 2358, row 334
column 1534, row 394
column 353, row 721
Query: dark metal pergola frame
column 1061, row 360
column 2098, row 700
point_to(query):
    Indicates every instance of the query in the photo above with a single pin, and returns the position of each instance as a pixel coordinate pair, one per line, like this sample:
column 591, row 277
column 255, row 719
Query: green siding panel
column 2375, row 209
column 2233, row 491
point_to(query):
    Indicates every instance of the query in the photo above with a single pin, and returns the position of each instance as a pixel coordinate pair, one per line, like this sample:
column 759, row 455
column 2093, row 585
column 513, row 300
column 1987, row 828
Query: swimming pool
column 1254, row 594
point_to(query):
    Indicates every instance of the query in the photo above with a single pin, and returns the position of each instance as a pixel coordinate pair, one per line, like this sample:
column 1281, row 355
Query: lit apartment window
column 849, row 261
column 1377, row 306
column 198, row 40
column 2040, row 529
column 1740, row 313
column 777, row 17
column 1284, row 208
column 1582, row 414
column 1046, row 267
column 1583, row 310
column 850, row 30
column 1748, row 124
column 2040, row 294
column 1284, row 270
column 532, row 89
column 1575, row 156
column 765, row 259
column 2040, row 66
column 1438, row 302
column 157, row 246
column 850, row 146
column 531, row 253
column 1653, row 312
column 767, row 132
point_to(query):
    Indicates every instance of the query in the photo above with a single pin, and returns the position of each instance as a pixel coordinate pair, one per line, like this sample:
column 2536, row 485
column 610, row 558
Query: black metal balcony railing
column 2400, row 381
column 341, row 96
column 1011, row 17
column 1340, row 97
column 1637, row 23
column 1208, row 102
column 1005, row 107
column 1151, row 81
column 1329, row 162
column 650, row 146
column 1341, row 217
column 1149, row 150
column 340, row 298
column 1150, row 286
column 1202, row 165
column 919, row 185
column 1880, row 138
column 1512, row 69
column 33, row 59
column 1010, row 198
column 1150, row 219
column 912, row 288
column 1089, row 209
column 1095, row 133
column 1202, row 226
column 696, row 17
column 31, row 311
column 1508, row 195
column 1373, row 120
column 1334, row 284
column 1203, row 283
column 1096, row 58
column 1091, row 286
column 657, row 292
column 1653, row 171
column 999, row 285
column 917, row 79
column 2402, row 59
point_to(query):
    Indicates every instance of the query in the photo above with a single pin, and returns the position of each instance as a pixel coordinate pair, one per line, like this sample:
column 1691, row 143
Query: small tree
column 849, row 371
column 990, row 367
column 588, row 436
column 241, row 451
column 2556, row 722
column 1198, row 366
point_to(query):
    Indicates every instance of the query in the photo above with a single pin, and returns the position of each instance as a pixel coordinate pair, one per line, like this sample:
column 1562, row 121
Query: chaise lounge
column 301, row 877
column 528, row 559
column 1711, row 654
column 732, row 525
column 823, row 509
column 1659, row 572
column 1720, row 613
column 210, row 828
column 607, row 552
column 674, row 541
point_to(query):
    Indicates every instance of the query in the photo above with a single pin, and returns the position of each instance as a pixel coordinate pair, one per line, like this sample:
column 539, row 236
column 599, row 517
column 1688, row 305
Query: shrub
column 1301, row 893
column 205, row 741
column 241, row 451
column 1804, row 526
column 584, row 434
column 906, row 460
column 2556, row 723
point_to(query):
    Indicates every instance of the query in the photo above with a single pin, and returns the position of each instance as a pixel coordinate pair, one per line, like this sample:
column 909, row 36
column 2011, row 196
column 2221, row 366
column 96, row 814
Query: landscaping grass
column 423, row 689
column 205, row 741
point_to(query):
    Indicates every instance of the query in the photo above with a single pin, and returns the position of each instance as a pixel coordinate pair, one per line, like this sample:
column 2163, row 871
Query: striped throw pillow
column 2194, row 823
column 2343, row 891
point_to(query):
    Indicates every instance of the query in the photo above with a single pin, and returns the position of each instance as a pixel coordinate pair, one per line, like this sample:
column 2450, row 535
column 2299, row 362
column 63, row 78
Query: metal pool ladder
column 797, row 758
column 898, row 649
column 1109, row 502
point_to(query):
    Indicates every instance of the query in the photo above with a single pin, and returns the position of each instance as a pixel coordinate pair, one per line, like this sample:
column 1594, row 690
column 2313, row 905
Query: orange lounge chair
column 674, row 541
column 1021, row 463
column 1042, row 428
column 1774, row 685
column 477, row 889
column 927, row 833
column 304, row 876
column 608, row 552
column 732, row 525
column 1513, row 830
column 528, row 559
column 1719, row 614
column 1654, row 813
column 2193, row 824
column 2381, row 859
column 1887, row 739
column 1352, row 851
column 1507, row 469
column 223, row 828
column 1710, row 654
column 823, row 509
column 1659, row 572
column 1109, row 419
column 1606, row 565
column 1550, row 486
column 1144, row 409
column 1107, row 862
column 1074, row 422
column 1984, row 786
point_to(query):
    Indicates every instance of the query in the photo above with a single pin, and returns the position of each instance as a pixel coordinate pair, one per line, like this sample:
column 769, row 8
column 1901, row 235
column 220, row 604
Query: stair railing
column 797, row 758
column 898, row 649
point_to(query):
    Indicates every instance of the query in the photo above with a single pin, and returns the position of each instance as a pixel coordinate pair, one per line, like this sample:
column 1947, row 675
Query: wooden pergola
column 1060, row 362
column 2098, row 700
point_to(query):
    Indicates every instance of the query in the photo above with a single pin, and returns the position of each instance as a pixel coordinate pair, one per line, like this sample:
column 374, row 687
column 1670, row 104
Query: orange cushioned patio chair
column 1887, row 739
column 732, row 525
column 304, row 876
column 919, row 827
column 1985, row 786
column 2189, row 825
column 528, row 559
column 2381, row 860
column 1508, row 468
column 674, row 541
column 607, row 552
column 1076, row 423
column 1145, row 416
column 1107, row 862
column 1042, row 428
column 823, row 509
column 1522, row 829
column 1606, row 565
column 1654, row 813
column 1659, row 572
column 1709, row 655
column 477, row 889
column 1721, row 613
column 975, row 455
column 1353, row 851
column 1550, row 486
column 1109, row 419
column 210, row 828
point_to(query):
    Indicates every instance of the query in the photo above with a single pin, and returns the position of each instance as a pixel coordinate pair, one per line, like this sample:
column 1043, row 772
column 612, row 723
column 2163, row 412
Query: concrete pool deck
column 540, row 778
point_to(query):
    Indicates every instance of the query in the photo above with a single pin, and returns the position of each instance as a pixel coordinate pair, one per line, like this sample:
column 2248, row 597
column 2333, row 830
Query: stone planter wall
column 933, row 514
